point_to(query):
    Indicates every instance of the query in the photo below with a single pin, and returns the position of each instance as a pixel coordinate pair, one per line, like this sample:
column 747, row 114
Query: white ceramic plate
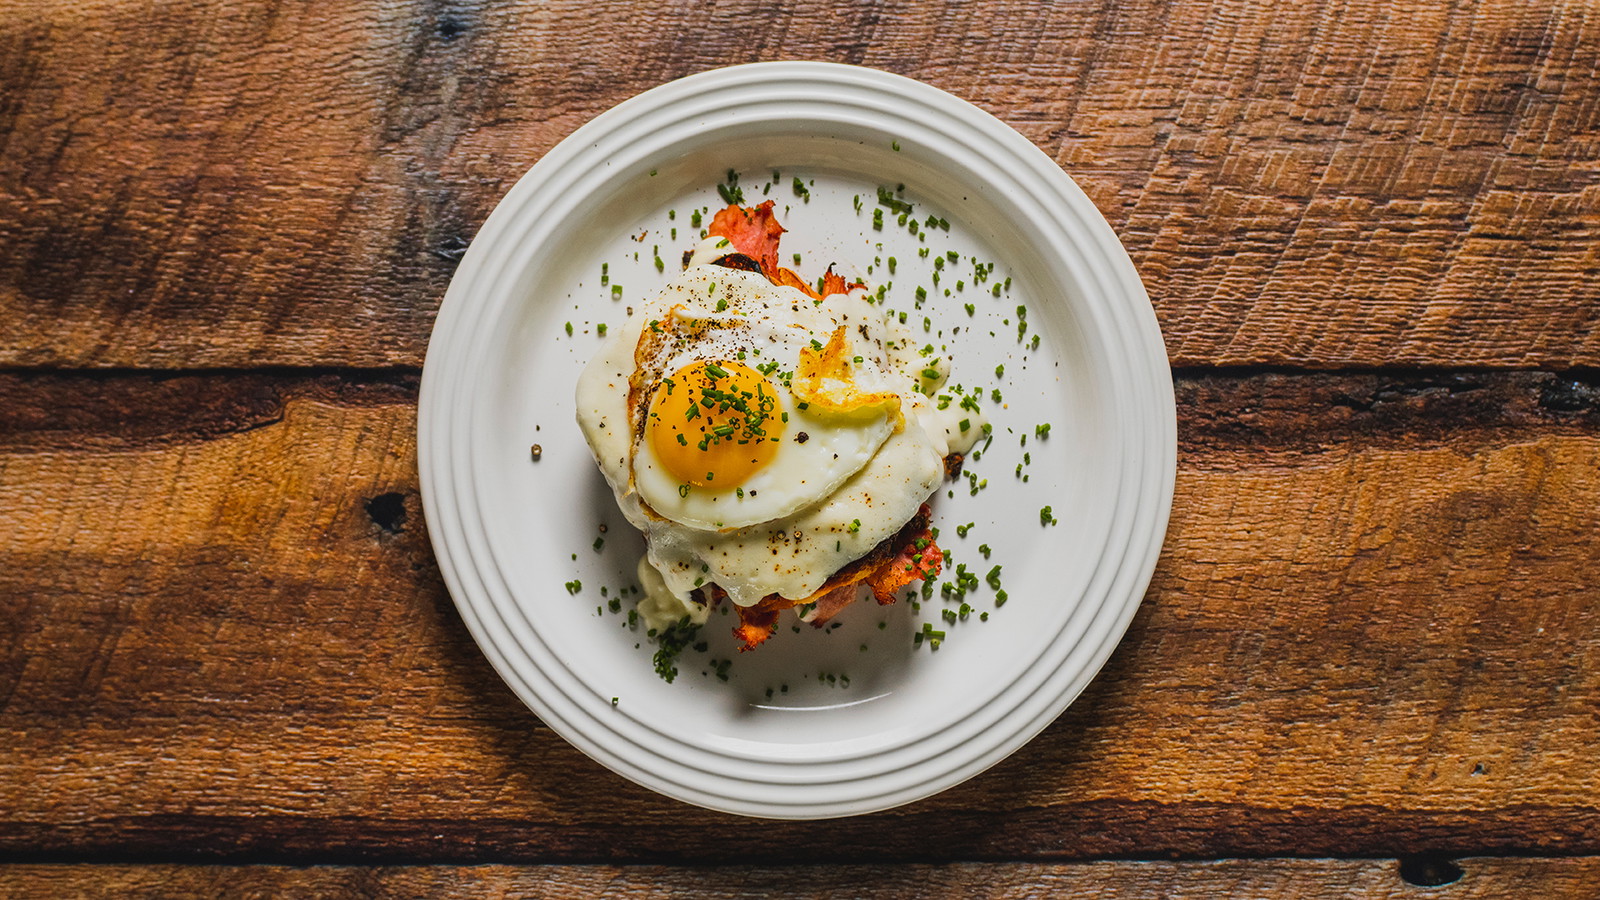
column 817, row 723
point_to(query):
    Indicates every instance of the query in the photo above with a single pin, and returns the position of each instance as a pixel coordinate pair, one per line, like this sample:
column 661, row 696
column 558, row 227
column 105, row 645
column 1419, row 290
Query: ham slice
column 754, row 232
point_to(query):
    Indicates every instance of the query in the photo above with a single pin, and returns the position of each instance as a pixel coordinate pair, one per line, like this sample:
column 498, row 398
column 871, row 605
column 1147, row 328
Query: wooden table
column 1370, row 658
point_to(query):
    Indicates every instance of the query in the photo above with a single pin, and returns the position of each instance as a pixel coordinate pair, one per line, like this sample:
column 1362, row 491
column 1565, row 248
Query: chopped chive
column 730, row 191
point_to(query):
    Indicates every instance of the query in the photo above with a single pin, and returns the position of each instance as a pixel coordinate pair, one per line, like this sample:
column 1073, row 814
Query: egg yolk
column 714, row 424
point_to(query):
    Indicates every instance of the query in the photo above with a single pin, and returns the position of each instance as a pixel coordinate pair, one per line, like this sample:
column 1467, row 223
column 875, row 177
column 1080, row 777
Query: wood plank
column 1289, row 879
column 283, row 182
column 1372, row 632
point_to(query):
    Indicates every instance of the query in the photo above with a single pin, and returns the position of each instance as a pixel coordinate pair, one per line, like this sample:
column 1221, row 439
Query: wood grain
column 1471, row 879
column 1372, row 632
column 291, row 183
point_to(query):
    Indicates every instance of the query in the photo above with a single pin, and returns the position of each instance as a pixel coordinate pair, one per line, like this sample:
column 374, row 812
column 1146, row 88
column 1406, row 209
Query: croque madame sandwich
column 772, row 439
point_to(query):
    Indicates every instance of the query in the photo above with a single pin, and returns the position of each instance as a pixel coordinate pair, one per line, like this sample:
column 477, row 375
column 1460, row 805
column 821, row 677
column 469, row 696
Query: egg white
column 809, row 532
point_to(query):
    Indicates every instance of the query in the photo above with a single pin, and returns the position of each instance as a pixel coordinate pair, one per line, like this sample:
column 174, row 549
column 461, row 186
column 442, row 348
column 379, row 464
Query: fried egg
column 759, row 438
column 732, row 425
